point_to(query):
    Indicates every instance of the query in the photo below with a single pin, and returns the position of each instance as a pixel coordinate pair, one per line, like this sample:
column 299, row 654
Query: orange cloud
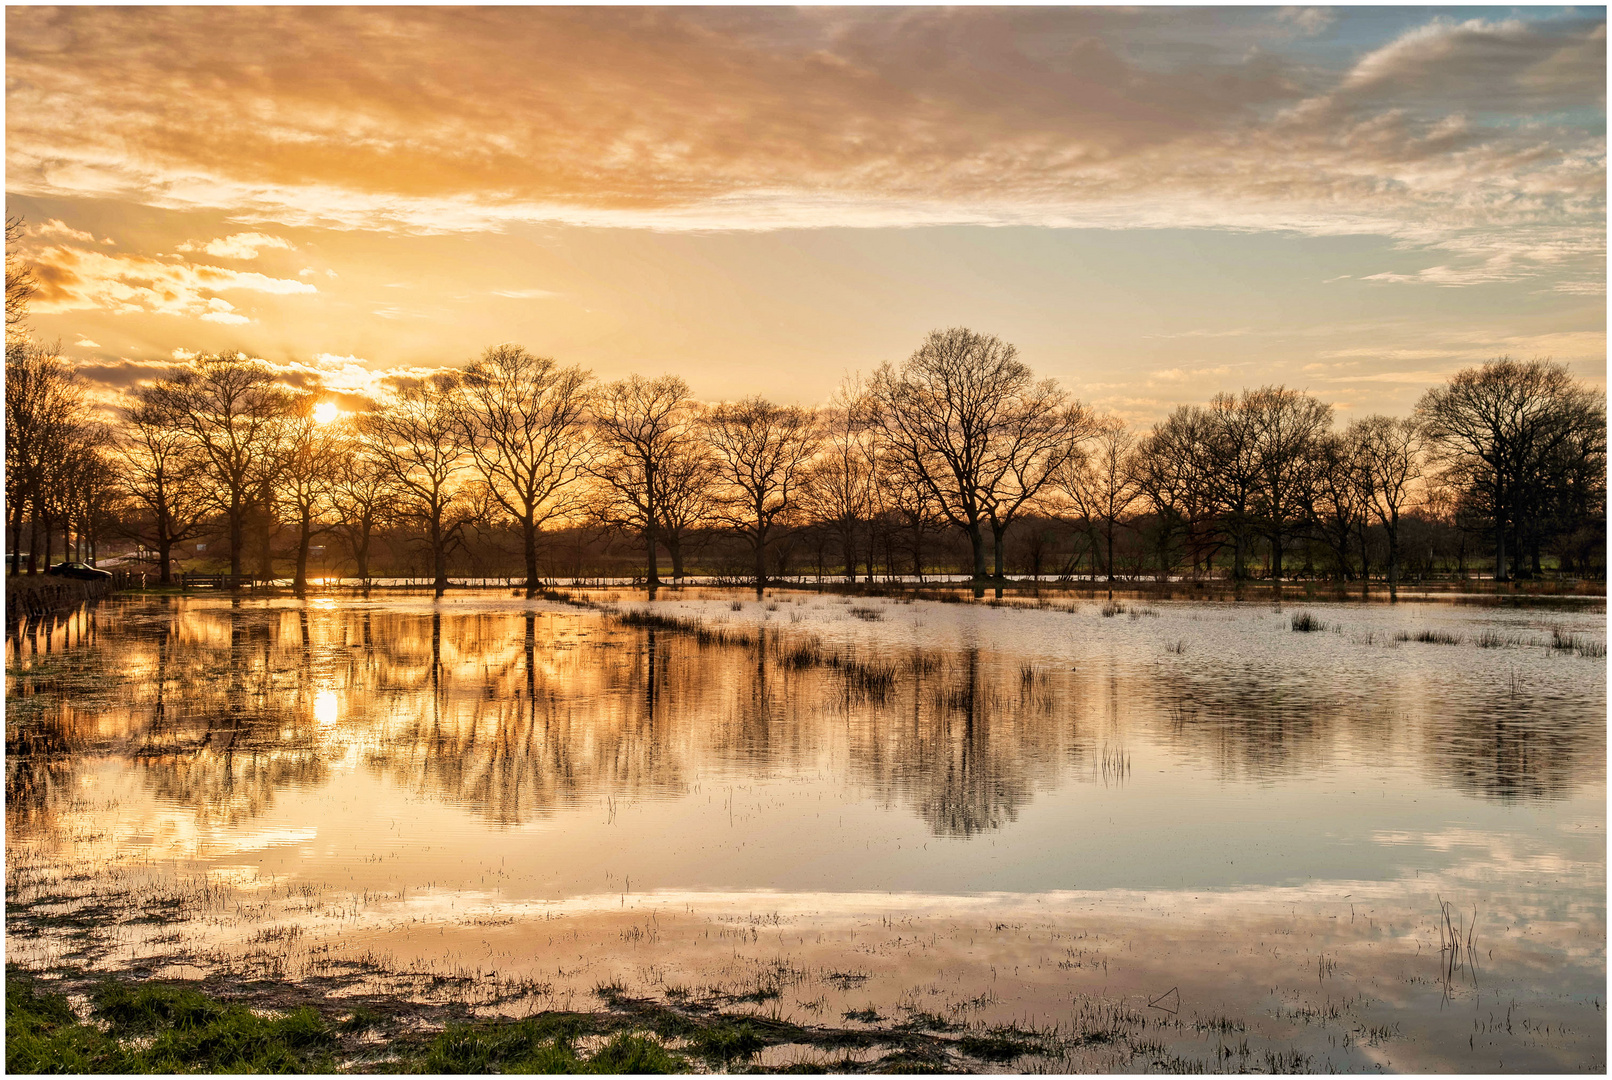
column 77, row 279
column 430, row 119
column 238, row 246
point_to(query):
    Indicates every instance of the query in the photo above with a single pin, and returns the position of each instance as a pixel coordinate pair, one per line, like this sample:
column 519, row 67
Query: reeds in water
column 1430, row 637
column 1579, row 644
column 1305, row 623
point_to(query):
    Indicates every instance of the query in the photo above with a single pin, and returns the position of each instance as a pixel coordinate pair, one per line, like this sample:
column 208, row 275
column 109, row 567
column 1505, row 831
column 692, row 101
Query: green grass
column 179, row 1030
column 162, row 1028
column 542, row 1045
column 724, row 1042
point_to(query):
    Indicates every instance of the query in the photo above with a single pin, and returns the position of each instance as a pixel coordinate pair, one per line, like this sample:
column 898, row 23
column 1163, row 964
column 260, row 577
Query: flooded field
column 1088, row 835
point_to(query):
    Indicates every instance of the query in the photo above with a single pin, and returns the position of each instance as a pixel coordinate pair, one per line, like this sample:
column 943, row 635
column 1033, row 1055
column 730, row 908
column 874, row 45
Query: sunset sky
column 1154, row 204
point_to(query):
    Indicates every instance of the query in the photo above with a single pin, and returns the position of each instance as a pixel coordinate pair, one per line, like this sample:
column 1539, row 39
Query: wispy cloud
column 238, row 246
column 422, row 119
column 73, row 279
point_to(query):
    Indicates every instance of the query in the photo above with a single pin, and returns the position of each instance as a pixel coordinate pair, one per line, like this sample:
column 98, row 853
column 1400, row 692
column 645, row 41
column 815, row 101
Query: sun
column 325, row 412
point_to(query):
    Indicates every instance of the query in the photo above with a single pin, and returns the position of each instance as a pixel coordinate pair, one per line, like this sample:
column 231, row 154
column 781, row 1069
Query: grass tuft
column 1430, row 637
column 157, row 1028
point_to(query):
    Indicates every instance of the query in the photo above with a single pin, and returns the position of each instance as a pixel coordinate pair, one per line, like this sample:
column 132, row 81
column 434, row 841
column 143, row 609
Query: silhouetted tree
column 21, row 285
column 642, row 427
column 1391, row 452
column 232, row 412
column 521, row 418
column 1501, row 433
column 969, row 422
column 1288, row 429
column 761, row 452
column 841, row 488
column 416, row 437
column 312, row 460
column 164, row 476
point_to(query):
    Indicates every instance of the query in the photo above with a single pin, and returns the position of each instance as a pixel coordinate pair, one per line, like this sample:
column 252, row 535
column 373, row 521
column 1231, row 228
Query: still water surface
column 1028, row 808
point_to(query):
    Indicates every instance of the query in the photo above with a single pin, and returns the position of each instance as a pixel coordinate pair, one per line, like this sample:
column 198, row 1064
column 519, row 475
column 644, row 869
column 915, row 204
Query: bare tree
column 45, row 408
column 361, row 495
column 1169, row 473
column 761, row 452
column 1101, row 482
column 21, row 284
column 417, row 438
column 1391, row 453
column 164, row 475
column 1496, row 429
column 643, row 427
column 841, row 488
column 1342, row 504
column 1233, row 474
column 521, row 418
column 1288, row 427
column 1172, row 473
column 93, row 492
column 971, row 424
column 311, row 460
column 231, row 409
column 1038, row 431
column 903, row 503
column 688, row 495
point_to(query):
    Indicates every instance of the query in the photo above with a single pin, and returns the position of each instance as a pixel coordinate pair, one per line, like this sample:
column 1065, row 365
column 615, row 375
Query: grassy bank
column 78, row 1022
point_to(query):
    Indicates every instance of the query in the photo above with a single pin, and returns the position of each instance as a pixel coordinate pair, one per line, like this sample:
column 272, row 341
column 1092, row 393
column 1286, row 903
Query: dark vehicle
column 82, row 571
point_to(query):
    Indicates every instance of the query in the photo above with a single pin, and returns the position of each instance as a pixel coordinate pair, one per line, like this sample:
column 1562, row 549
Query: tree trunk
column 299, row 584
column 1365, row 565
column 439, row 557
column 1500, row 553
column 998, row 551
column 265, row 552
column 674, row 547
column 529, row 540
column 34, row 523
column 977, row 540
column 1393, row 560
column 236, row 513
column 165, row 554
column 761, row 560
column 16, row 535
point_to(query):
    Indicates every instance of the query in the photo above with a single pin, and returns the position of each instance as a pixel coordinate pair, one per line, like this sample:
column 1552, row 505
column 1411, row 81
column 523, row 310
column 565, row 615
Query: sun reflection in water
column 325, row 709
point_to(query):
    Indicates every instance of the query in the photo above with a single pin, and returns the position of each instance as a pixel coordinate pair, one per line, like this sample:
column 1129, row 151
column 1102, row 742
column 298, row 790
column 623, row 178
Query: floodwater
column 1370, row 851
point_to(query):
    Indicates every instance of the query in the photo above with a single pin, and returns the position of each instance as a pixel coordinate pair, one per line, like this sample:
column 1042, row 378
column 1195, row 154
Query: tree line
column 958, row 439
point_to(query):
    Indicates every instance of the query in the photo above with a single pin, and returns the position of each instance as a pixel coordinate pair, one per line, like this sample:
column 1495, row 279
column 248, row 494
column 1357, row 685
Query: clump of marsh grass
column 1305, row 623
column 868, row 614
column 1177, row 647
column 1031, row 676
column 1142, row 613
column 1579, row 644
column 1112, row 608
column 1430, row 637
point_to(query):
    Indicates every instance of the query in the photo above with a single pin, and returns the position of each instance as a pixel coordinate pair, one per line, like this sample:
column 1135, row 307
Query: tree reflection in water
column 517, row 714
